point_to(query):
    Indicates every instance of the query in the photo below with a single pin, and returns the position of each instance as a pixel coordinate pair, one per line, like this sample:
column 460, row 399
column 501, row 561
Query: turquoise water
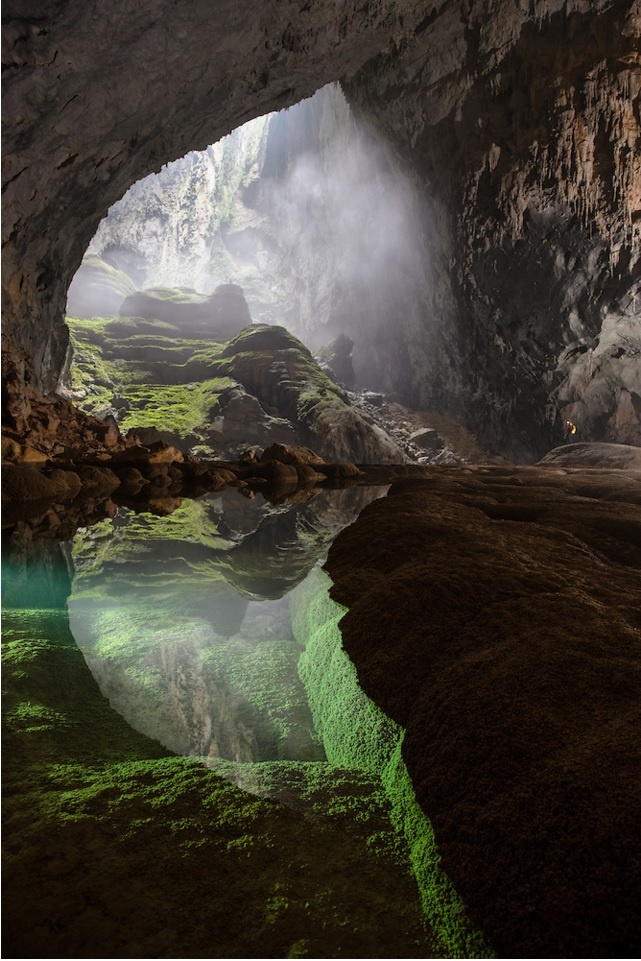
column 183, row 619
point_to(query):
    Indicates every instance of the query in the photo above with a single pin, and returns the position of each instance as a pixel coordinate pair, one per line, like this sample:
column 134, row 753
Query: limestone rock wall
column 522, row 126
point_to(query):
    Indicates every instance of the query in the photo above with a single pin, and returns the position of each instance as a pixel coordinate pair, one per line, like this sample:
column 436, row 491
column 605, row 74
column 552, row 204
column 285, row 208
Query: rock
column 146, row 435
column 281, row 373
column 99, row 481
column 373, row 398
column 11, row 450
column 131, row 479
column 288, row 454
column 31, row 455
column 156, row 453
column 245, row 421
column 336, row 355
column 161, row 453
column 493, row 613
column 97, row 289
column 339, row 471
column 308, row 477
column 277, row 473
column 218, row 316
column 426, row 437
column 615, row 456
column 107, row 414
column 28, row 483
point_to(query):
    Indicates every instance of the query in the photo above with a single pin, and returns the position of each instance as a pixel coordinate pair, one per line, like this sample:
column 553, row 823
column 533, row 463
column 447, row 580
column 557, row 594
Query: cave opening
column 301, row 218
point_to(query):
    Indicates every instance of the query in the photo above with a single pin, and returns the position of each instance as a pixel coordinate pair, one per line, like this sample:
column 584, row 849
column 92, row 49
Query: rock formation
column 217, row 316
column 98, row 289
column 180, row 379
column 494, row 613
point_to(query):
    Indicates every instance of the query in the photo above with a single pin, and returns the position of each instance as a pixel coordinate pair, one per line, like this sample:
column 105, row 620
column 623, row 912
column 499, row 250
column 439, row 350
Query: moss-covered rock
column 217, row 316
column 98, row 289
column 262, row 386
column 356, row 733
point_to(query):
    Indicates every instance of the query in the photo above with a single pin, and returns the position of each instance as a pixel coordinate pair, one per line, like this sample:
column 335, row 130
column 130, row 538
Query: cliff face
column 524, row 134
column 517, row 124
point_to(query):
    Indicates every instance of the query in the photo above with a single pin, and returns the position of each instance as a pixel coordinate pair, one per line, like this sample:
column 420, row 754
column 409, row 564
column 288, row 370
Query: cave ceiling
column 519, row 121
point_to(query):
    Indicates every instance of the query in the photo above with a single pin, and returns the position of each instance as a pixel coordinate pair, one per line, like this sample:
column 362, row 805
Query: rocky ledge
column 495, row 613
column 63, row 469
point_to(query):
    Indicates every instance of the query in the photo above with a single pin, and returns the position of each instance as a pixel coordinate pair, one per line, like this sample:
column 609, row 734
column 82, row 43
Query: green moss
column 355, row 732
column 168, row 382
column 182, row 409
column 112, row 842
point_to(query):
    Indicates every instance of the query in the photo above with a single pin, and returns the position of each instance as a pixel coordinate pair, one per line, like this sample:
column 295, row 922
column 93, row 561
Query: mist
column 304, row 209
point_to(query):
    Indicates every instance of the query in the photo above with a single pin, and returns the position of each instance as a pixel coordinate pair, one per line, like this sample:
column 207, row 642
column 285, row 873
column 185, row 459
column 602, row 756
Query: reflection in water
column 184, row 620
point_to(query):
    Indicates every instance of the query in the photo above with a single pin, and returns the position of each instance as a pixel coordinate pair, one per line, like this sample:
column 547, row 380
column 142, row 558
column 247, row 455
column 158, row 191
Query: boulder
column 219, row 315
column 616, row 456
column 28, row 483
column 98, row 481
column 427, row 437
column 246, row 422
column 337, row 357
column 289, row 454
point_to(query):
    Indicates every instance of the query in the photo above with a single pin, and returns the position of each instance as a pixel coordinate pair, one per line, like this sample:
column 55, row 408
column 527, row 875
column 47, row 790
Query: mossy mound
column 98, row 289
column 262, row 386
column 282, row 373
column 356, row 733
column 217, row 316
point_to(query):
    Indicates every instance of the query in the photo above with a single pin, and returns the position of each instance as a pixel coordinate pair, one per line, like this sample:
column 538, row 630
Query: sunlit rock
column 216, row 316
column 98, row 289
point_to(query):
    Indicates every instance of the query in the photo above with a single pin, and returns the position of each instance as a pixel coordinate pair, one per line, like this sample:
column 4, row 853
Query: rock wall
column 522, row 127
column 517, row 123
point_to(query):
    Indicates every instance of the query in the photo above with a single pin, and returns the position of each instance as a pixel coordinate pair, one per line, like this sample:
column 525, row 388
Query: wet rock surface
column 495, row 613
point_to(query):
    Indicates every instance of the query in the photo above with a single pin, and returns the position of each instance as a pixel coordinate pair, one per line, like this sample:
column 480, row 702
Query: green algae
column 356, row 732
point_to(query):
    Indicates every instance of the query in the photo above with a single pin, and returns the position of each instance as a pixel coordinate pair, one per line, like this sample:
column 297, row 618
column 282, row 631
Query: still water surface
column 184, row 620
